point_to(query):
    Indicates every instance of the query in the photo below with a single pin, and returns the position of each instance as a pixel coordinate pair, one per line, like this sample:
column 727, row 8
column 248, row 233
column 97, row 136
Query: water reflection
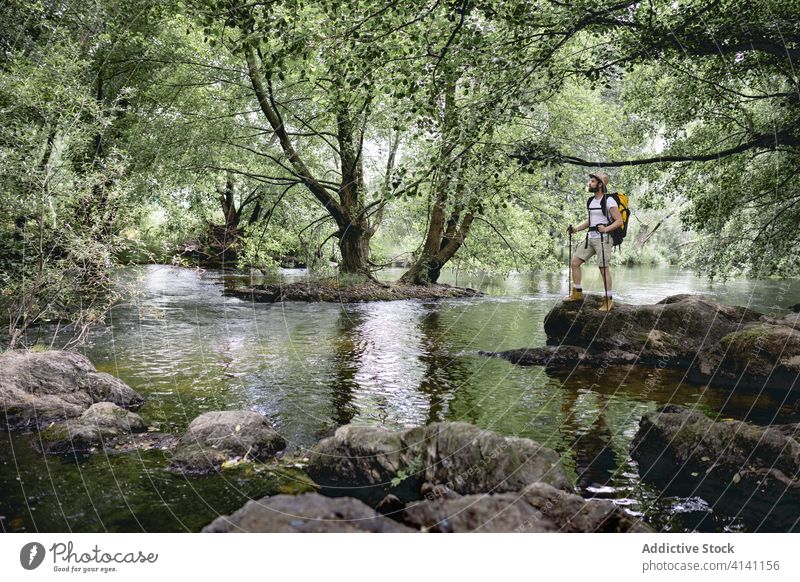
column 595, row 459
column 348, row 353
column 443, row 372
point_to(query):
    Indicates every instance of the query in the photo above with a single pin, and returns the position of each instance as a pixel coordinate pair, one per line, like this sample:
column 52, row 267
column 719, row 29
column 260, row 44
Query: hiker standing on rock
column 604, row 217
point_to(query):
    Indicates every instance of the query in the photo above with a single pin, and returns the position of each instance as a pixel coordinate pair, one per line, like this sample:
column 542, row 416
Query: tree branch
column 765, row 141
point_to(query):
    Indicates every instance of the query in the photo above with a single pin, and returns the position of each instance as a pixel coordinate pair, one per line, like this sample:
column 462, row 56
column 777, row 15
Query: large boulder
column 37, row 388
column 671, row 330
column 742, row 469
column 102, row 425
column 761, row 355
column 370, row 462
column 307, row 513
column 217, row 437
column 537, row 508
column 719, row 344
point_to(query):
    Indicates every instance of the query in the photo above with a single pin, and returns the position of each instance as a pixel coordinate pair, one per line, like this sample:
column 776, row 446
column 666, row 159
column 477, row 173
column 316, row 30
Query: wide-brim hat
column 600, row 178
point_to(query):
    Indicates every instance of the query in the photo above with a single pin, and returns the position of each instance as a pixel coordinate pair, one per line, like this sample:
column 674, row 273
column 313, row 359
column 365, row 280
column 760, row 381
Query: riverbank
column 342, row 291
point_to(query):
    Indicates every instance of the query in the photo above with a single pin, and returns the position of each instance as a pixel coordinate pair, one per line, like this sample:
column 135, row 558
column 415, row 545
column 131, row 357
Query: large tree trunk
column 426, row 270
column 445, row 234
column 228, row 203
column 354, row 246
column 353, row 231
column 223, row 239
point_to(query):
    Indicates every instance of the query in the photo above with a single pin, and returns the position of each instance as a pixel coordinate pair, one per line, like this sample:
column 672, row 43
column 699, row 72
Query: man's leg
column 583, row 253
column 604, row 254
column 606, row 274
column 575, row 264
column 576, row 293
column 609, row 298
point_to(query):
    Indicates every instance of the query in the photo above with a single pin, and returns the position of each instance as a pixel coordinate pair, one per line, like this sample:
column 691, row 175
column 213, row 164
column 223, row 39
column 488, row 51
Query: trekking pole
column 603, row 272
column 569, row 262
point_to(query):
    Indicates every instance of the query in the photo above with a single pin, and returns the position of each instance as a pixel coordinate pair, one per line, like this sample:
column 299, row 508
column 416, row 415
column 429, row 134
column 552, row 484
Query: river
column 313, row 367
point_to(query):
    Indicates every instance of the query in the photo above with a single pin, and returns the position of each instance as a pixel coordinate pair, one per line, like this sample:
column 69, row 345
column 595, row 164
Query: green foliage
column 261, row 250
column 722, row 83
column 132, row 131
column 412, row 469
column 60, row 207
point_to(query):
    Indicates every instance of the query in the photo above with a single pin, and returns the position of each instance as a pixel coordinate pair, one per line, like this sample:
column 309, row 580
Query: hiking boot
column 574, row 295
column 606, row 305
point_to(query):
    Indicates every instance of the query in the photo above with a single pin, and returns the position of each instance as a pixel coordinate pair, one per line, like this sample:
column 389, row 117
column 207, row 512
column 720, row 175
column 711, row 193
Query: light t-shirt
column 596, row 213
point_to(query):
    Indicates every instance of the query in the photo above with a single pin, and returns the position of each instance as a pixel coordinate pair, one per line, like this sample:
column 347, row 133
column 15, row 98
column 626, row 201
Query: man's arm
column 615, row 214
column 582, row 226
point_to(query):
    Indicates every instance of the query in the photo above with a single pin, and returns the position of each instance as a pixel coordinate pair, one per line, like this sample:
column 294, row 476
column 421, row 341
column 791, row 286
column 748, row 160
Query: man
column 598, row 239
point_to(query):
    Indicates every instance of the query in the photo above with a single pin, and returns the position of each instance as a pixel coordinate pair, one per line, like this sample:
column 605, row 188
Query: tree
column 715, row 82
column 55, row 264
column 316, row 70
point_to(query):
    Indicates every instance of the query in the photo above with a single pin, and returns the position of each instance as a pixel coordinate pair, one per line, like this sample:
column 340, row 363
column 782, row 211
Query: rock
column 370, row 462
column 390, row 504
column 506, row 512
column 560, row 357
column 719, row 344
column 307, row 513
column 572, row 513
column 37, row 388
column 672, row 330
column 741, row 469
column 99, row 427
column 791, row 319
column 363, row 461
column 537, row 508
column 216, row 437
column 759, row 356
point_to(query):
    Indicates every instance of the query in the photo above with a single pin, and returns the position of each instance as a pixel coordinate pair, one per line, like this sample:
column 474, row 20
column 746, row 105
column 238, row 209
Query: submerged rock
column 537, row 508
column 561, row 357
column 370, row 462
column 37, row 388
column 216, row 437
column 742, row 469
column 307, row 513
column 100, row 426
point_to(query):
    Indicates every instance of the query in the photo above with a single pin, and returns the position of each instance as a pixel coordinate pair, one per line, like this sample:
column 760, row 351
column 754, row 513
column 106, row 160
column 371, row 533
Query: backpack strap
column 604, row 205
column 603, row 208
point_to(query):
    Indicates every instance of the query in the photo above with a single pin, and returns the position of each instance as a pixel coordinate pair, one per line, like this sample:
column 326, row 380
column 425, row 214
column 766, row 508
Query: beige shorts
column 594, row 249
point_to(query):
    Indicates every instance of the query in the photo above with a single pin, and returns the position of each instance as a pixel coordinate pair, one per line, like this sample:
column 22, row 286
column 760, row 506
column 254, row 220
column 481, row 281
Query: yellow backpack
column 617, row 236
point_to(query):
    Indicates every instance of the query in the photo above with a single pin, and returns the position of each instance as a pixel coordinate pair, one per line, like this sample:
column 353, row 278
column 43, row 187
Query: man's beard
column 593, row 190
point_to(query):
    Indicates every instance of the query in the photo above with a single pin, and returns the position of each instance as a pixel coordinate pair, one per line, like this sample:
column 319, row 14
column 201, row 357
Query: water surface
column 313, row 367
